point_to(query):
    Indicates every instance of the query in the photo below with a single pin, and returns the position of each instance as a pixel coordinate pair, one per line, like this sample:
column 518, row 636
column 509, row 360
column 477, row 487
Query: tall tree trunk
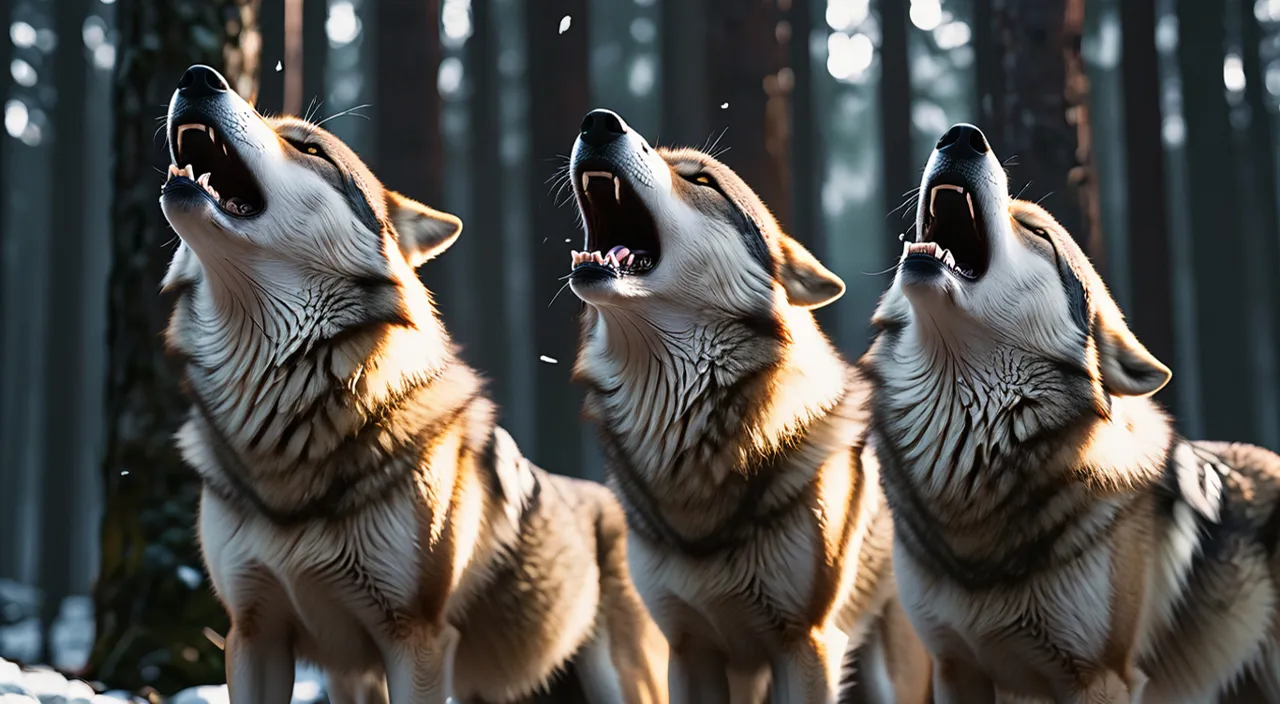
column 292, row 67
column 1150, row 261
column 1257, row 150
column 315, row 56
column 806, row 156
column 557, row 70
column 1082, row 176
column 900, row 171
column 152, row 605
column 1031, row 91
column 686, row 98
column 488, row 196
column 751, row 88
column 991, row 65
column 406, row 113
column 6, row 82
column 1222, row 322
column 64, row 343
column 271, row 20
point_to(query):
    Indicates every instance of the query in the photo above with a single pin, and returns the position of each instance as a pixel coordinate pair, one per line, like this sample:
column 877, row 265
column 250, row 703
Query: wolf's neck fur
column 285, row 367
column 692, row 400
column 980, row 434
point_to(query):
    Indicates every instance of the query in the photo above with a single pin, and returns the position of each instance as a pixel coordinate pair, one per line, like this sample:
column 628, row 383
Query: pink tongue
column 619, row 253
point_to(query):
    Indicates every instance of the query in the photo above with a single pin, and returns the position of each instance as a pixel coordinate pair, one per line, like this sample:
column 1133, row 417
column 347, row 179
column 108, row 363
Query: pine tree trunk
column 64, row 341
column 1033, row 98
column 1256, row 146
column 408, row 148
column 1222, row 287
column 901, row 174
column 315, row 57
column 1151, row 315
column 558, row 64
column 750, row 91
column 153, row 606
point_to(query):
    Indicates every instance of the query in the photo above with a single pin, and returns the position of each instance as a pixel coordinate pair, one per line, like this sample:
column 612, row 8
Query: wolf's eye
column 701, row 179
column 308, row 148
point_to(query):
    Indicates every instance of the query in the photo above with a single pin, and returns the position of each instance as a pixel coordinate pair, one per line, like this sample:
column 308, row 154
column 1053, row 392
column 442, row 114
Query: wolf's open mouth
column 212, row 165
column 622, row 238
column 951, row 232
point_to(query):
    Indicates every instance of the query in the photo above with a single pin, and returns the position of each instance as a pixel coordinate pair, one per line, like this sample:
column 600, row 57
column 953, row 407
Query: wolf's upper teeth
column 189, row 171
column 630, row 258
column 933, row 195
column 968, row 197
column 949, row 259
column 586, row 178
column 617, row 189
column 203, row 180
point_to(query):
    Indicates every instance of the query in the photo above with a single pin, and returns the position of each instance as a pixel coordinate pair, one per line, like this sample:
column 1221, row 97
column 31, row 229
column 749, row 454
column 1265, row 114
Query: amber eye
column 312, row 150
column 703, row 179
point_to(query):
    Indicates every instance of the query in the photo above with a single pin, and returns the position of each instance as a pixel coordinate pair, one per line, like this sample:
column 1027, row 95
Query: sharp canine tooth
column 969, row 199
column 933, row 194
column 617, row 189
column 586, row 176
column 630, row 258
column 203, row 180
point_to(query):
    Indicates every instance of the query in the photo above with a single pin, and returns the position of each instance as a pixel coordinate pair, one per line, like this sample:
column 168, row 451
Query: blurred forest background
column 1149, row 127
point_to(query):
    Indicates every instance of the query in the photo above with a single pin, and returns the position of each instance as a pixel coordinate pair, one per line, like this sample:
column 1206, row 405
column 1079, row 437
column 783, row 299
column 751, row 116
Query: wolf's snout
column 201, row 82
column 600, row 127
column 963, row 141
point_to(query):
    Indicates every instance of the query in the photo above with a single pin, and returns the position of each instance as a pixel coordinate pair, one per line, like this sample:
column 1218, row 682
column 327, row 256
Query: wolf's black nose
column 963, row 141
column 600, row 127
column 200, row 82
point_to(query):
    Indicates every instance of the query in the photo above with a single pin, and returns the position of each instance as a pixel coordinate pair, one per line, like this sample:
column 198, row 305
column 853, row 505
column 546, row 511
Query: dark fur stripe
column 233, row 482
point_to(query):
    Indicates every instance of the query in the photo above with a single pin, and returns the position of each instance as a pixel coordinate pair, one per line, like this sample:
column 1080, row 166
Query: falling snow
column 724, row 106
column 564, row 23
column 279, row 66
column 548, row 360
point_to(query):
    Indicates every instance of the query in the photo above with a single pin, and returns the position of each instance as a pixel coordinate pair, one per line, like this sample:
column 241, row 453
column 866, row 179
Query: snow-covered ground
column 71, row 637
column 44, row 685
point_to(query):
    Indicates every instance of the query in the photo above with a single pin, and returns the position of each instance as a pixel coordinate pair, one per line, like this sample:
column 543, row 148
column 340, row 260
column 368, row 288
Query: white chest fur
column 330, row 588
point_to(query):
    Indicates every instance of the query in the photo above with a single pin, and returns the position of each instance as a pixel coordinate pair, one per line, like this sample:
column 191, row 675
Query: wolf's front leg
column 696, row 674
column 956, row 682
column 809, row 673
column 259, row 667
column 420, row 667
column 357, row 688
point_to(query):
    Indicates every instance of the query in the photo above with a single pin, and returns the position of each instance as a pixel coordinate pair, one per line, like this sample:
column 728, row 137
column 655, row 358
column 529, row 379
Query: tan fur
column 734, row 437
column 361, row 509
column 1055, row 540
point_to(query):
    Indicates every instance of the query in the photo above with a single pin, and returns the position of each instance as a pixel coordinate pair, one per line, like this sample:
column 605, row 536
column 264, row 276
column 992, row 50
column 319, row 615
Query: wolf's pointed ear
column 423, row 232
column 1128, row 369
column 807, row 282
